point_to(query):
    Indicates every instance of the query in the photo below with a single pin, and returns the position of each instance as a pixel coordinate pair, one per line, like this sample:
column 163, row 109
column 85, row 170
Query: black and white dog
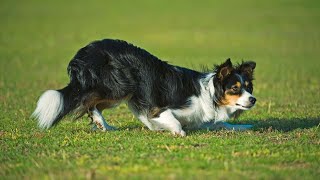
column 163, row 97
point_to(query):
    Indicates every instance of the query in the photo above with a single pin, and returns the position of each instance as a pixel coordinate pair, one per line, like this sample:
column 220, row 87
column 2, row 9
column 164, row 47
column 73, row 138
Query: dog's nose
column 252, row 100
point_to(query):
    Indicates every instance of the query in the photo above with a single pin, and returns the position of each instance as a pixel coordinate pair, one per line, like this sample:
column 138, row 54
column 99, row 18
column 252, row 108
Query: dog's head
column 233, row 85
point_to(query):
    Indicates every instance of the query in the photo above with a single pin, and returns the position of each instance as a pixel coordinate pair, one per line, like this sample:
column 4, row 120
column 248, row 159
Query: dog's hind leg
column 99, row 121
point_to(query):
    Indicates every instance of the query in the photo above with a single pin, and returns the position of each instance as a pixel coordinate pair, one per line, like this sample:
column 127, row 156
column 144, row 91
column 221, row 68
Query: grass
column 38, row 38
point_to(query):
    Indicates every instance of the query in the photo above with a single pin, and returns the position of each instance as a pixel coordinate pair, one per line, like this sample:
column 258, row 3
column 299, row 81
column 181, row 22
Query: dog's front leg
column 167, row 121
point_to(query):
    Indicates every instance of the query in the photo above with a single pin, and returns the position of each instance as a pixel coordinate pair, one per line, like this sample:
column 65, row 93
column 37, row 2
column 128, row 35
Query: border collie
column 162, row 96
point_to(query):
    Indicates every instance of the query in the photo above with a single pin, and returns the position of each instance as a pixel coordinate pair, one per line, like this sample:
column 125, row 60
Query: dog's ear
column 247, row 68
column 224, row 70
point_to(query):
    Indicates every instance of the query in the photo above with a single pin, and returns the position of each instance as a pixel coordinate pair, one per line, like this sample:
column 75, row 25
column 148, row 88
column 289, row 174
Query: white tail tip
column 49, row 106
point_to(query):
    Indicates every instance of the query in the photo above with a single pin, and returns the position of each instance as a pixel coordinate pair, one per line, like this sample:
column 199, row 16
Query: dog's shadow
column 283, row 125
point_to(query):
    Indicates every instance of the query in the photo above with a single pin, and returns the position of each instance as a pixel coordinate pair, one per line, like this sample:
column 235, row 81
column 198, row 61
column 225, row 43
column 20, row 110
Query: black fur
column 114, row 70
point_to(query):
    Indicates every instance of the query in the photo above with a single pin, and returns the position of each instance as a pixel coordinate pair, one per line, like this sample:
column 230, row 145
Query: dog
column 162, row 96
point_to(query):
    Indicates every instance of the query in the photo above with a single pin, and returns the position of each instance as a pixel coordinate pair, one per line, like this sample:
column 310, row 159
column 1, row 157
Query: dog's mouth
column 244, row 107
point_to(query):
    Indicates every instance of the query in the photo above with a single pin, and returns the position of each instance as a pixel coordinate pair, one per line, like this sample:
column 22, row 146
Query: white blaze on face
column 244, row 100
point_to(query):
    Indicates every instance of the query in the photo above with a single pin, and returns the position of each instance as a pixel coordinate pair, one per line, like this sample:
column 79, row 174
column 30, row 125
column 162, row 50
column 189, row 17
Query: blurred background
column 38, row 39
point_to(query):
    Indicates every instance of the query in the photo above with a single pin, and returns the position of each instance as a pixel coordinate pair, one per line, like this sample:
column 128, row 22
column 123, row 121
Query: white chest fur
column 201, row 108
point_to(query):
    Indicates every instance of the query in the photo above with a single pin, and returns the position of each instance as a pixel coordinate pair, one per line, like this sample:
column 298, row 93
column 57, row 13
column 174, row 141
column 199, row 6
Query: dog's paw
column 182, row 133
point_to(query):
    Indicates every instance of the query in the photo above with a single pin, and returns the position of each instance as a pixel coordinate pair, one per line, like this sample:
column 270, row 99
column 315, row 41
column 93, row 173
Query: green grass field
column 38, row 39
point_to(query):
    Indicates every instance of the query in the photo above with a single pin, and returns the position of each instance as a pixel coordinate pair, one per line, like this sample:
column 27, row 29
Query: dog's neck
column 222, row 113
column 207, row 83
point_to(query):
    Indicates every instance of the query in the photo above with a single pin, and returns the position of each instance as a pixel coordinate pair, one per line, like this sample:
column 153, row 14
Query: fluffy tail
column 53, row 105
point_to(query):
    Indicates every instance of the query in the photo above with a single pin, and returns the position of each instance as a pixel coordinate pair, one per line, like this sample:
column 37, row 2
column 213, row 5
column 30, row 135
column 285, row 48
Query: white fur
column 243, row 101
column 224, row 113
column 145, row 121
column 49, row 106
column 202, row 108
column 167, row 121
column 142, row 116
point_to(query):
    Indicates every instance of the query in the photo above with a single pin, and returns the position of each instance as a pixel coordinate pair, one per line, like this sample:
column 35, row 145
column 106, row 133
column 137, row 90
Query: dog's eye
column 235, row 88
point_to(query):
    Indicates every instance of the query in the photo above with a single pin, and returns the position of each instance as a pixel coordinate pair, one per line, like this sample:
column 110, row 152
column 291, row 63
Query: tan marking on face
column 237, row 84
column 229, row 99
column 246, row 83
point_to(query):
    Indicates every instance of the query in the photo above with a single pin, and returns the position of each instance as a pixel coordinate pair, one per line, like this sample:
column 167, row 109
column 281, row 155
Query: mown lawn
column 38, row 38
